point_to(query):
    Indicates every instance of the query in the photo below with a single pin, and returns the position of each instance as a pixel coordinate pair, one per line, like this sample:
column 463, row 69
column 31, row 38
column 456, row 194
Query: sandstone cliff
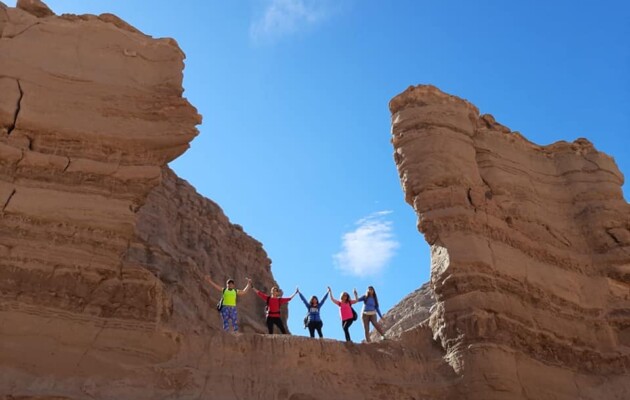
column 530, row 252
column 93, row 222
column 102, row 247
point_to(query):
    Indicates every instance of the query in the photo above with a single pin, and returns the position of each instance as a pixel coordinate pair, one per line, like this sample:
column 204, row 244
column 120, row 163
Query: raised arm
column 304, row 300
column 322, row 301
column 211, row 282
column 356, row 296
column 246, row 289
column 285, row 300
column 332, row 298
column 260, row 294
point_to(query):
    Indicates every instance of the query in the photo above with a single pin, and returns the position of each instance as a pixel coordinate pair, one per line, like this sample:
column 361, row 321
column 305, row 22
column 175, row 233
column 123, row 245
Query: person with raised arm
column 227, row 307
column 272, row 310
column 346, row 312
column 313, row 320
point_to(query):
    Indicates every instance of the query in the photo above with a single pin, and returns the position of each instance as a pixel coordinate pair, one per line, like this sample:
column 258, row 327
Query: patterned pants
column 229, row 313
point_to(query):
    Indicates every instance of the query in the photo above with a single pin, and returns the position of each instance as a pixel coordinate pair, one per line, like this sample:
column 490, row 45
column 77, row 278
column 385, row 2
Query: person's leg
column 378, row 327
column 234, row 316
column 225, row 316
column 366, row 326
column 270, row 325
column 318, row 326
column 311, row 328
column 278, row 322
column 346, row 329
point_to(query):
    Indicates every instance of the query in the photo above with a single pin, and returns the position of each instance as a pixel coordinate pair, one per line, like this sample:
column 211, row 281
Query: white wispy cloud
column 285, row 17
column 368, row 249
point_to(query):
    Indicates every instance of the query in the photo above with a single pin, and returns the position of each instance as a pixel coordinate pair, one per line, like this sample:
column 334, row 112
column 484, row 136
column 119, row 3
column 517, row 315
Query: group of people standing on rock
column 313, row 321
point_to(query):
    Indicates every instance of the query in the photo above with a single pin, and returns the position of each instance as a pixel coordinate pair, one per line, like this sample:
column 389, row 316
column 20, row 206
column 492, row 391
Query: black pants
column 277, row 321
column 315, row 326
column 346, row 328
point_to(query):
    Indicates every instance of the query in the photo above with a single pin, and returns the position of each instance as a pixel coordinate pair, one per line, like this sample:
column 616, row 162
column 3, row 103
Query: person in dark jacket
column 313, row 319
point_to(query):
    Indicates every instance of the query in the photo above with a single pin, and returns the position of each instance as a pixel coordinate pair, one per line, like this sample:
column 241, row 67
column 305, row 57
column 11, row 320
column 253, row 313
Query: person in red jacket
column 272, row 311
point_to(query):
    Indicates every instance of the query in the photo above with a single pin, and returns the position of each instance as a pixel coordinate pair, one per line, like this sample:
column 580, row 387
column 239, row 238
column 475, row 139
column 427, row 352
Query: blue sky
column 295, row 143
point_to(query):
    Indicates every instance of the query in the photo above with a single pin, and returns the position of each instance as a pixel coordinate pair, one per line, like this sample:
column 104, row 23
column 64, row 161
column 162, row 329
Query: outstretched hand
column 211, row 282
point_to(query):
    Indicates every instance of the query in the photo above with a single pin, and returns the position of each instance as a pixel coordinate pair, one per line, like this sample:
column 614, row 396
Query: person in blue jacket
column 313, row 320
column 369, row 312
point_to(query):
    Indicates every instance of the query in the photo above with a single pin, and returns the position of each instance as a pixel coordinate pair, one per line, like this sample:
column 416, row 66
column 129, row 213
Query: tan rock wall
column 81, row 148
column 103, row 248
column 530, row 252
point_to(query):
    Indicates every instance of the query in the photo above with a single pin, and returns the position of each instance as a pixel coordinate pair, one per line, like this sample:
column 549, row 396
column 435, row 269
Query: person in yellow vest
column 228, row 301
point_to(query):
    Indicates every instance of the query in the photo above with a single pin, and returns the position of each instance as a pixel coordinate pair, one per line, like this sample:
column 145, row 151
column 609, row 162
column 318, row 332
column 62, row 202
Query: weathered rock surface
column 530, row 252
column 93, row 222
column 412, row 311
column 103, row 248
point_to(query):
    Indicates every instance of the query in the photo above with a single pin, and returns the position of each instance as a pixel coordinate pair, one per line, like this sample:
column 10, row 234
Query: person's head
column 372, row 293
column 275, row 292
column 229, row 284
column 344, row 297
column 314, row 301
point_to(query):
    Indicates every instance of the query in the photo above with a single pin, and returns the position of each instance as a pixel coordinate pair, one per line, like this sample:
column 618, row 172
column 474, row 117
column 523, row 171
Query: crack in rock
column 6, row 203
column 614, row 238
column 18, row 106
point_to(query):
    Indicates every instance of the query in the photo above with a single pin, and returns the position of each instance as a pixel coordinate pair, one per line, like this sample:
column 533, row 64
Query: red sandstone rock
column 35, row 7
column 103, row 248
column 530, row 252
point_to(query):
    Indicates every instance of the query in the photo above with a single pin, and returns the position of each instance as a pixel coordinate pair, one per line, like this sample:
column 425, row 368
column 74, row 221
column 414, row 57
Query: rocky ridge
column 103, row 248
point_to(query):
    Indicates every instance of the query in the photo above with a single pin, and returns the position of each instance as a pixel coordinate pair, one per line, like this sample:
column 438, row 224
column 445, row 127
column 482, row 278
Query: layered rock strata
column 412, row 311
column 93, row 222
column 103, row 248
column 99, row 240
column 222, row 366
column 530, row 252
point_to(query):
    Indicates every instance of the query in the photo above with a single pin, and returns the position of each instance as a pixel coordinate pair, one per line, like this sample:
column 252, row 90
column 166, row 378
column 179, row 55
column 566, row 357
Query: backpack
column 354, row 314
column 306, row 320
column 220, row 303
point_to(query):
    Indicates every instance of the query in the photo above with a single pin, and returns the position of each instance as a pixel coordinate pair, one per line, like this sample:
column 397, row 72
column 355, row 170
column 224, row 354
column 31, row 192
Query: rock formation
column 530, row 252
column 103, row 248
column 412, row 311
